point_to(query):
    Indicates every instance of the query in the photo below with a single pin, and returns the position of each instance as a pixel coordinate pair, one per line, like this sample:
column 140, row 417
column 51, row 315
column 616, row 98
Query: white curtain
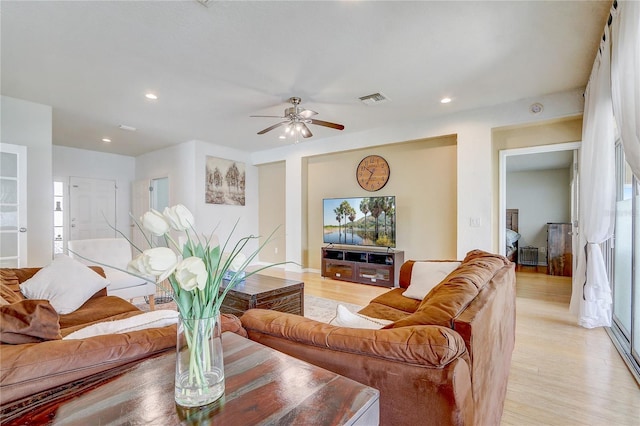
column 591, row 293
column 625, row 78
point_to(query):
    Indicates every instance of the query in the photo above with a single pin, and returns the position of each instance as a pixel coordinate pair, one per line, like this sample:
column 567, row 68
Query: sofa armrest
column 421, row 371
column 488, row 327
column 431, row 346
column 232, row 323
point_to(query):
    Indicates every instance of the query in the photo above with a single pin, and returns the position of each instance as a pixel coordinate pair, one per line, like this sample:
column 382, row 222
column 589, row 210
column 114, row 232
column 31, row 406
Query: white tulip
column 179, row 217
column 154, row 222
column 158, row 261
column 191, row 273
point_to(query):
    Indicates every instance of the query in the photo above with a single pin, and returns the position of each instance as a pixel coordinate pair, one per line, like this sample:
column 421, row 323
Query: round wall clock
column 373, row 172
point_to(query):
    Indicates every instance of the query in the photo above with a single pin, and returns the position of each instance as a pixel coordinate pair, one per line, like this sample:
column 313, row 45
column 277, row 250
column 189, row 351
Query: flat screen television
column 365, row 221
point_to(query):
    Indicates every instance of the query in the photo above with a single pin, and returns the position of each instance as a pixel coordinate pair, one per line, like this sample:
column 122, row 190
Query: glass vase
column 199, row 363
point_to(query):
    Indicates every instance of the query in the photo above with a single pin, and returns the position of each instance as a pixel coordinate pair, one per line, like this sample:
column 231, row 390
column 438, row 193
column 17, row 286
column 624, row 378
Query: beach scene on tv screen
column 368, row 221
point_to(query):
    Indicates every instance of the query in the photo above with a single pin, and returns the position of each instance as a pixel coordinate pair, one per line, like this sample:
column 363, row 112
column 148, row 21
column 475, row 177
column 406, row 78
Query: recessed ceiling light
column 151, row 96
column 445, row 100
column 106, row 140
column 282, row 137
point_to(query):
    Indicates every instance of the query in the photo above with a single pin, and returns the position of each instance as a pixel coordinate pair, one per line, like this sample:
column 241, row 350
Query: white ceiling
column 539, row 161
column 212, row 67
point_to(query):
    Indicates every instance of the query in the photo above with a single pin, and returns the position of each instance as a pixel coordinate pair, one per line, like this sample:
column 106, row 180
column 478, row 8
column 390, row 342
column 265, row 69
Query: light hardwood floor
column 561, row 374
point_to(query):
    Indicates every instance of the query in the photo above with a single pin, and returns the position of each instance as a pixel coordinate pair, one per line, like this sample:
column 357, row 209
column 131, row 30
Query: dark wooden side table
column 265, row 292
column 263, row 386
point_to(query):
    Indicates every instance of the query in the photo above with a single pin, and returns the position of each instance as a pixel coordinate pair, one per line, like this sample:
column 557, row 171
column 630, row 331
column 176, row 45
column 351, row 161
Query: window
column 626, row 258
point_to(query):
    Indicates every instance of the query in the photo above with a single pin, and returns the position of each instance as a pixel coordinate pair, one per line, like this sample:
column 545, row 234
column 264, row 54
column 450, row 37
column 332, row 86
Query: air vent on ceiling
column 374, row 98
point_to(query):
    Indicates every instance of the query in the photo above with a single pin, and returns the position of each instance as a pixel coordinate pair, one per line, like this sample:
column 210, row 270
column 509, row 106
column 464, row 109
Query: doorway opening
column 550, row 172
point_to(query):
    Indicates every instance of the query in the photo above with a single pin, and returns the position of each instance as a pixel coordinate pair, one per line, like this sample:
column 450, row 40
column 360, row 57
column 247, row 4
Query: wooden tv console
column 362, row 265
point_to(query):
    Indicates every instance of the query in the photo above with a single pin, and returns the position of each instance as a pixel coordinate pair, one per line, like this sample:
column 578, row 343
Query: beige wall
column 271, row 204
column 423, row 180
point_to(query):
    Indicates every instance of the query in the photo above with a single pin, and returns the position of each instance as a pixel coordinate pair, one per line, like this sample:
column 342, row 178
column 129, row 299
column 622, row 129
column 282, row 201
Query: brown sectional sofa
column 29, row 368
column 47, row 364
column 443, row 361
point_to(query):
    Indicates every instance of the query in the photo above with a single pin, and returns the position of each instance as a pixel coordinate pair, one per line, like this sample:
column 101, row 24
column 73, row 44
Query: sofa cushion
column 10, row 286
column 346, row 318
column 9, row 295
column 395, row 299
column 96, row 310
column 152, row 319
column 35, row 367
column 28, row 321
column 426, row 275
column 65, row 283
column 445, row 302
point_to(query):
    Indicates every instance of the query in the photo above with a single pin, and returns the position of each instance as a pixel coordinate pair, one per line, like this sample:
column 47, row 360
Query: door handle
column 22, row 229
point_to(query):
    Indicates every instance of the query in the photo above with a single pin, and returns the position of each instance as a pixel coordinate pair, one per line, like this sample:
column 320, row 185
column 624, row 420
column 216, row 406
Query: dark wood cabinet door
column 559, row 257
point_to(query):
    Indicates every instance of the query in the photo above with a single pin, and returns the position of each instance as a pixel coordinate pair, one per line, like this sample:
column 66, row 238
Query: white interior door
column 92, row 208
column 13, row 205
column 159, row 193
column 148, row 194
column 139, row 206
column 575, row 225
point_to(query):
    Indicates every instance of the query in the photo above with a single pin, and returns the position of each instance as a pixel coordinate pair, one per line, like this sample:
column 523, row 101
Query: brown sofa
column 48, row 362
column 443, row 361
column 38, row 361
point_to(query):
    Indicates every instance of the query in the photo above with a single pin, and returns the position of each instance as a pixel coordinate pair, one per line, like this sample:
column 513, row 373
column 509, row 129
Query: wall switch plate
column 475, row 222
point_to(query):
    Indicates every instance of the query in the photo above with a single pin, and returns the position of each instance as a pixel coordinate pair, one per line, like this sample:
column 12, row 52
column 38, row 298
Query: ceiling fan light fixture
column 296, row 119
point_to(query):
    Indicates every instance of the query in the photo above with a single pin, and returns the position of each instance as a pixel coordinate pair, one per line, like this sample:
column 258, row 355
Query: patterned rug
column 316, row 308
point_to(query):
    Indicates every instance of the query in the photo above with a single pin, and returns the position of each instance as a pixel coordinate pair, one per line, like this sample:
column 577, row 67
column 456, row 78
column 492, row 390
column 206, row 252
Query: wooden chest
column 264, row 292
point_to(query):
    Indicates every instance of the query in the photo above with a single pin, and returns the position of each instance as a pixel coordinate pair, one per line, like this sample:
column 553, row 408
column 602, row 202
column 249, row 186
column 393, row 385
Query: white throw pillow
column 153, row 319
column 65, row 283
column 427, row 275
column 346, row 318
column 512, row 237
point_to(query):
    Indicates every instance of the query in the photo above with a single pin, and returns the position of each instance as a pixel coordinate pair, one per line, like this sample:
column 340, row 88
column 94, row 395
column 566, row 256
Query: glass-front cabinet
column 58, row 217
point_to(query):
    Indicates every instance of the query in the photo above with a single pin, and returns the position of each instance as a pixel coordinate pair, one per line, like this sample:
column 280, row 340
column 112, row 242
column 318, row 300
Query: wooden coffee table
column 265, row 292
column 263, row 386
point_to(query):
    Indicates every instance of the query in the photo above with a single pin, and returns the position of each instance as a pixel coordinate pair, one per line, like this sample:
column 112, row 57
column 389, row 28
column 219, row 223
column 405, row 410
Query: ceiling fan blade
column 268, row 116
column 327, row 124
column 270, row 128
column 306, row 113
column 305, row 132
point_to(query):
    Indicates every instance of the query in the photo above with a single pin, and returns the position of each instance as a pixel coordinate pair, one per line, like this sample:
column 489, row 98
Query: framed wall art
column 225, row 181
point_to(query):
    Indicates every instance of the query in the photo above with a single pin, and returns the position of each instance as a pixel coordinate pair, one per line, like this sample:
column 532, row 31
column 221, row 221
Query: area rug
column 316, row 308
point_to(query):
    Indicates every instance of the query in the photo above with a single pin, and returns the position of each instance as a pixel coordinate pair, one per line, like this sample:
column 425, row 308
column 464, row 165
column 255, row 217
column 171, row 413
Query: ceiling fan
column 296, row 120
